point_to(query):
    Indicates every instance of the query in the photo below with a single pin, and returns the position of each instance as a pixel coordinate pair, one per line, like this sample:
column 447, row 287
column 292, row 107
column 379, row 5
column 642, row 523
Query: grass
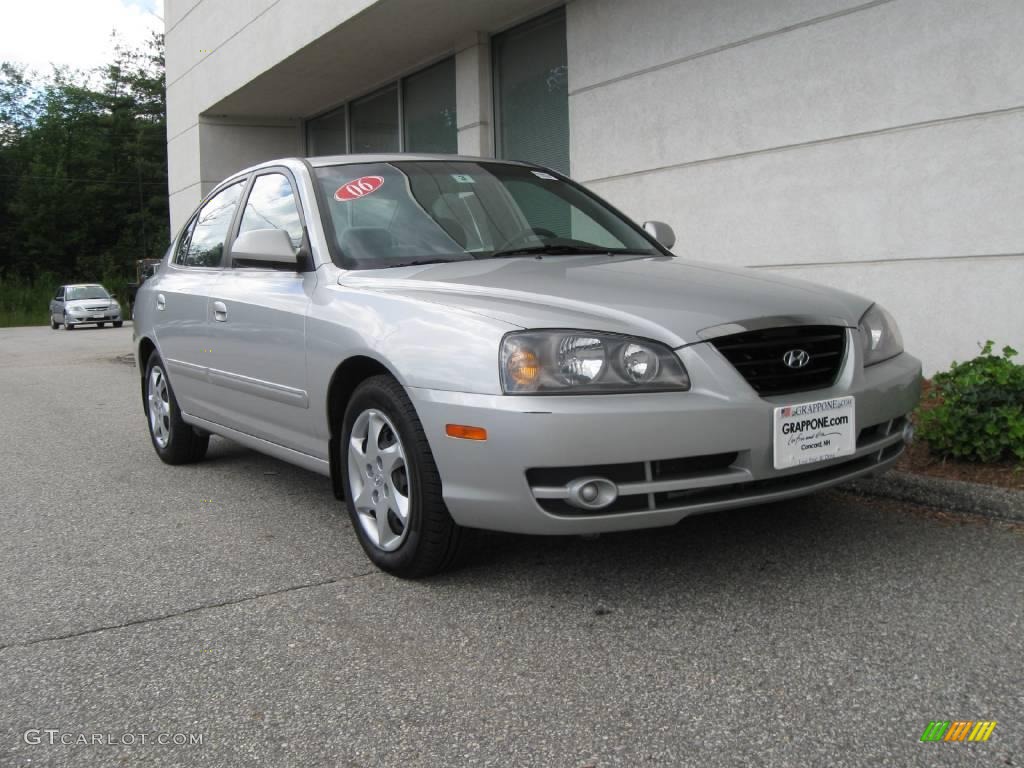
column 24, row 302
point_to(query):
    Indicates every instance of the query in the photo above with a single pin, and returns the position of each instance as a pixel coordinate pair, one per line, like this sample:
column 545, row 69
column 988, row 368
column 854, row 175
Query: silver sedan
column 467, row 344
column 84, row 304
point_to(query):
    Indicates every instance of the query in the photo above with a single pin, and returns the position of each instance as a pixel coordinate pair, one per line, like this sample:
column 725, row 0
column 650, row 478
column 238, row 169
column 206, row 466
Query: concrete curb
column 953, row 495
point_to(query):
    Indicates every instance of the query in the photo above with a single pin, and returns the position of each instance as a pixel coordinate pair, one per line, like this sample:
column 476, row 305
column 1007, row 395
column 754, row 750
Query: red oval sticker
column 361, row 187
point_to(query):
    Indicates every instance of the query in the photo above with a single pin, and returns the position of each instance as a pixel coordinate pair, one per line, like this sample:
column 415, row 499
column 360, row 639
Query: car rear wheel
column 392, row 485
column 175, row 441
column 53, row 323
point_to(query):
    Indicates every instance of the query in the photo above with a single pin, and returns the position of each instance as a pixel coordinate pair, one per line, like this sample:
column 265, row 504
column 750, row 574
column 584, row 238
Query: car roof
column 399, row 157
column 294, row 163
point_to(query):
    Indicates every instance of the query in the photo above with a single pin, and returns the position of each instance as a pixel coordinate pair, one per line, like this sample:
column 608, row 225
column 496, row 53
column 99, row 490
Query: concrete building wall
column 877, row 147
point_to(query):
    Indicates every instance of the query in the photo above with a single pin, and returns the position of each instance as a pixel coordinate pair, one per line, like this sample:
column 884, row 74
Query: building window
column 531, row 92
column 328, row 134
column 374, row 122
column 428, row 110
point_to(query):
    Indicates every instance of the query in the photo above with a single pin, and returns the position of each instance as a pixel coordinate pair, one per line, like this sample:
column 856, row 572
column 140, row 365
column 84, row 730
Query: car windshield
column 79, row 292
column 382, row 215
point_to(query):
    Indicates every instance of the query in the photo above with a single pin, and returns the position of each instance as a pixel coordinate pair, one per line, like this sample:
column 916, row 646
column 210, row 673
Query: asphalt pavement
column 229, row 603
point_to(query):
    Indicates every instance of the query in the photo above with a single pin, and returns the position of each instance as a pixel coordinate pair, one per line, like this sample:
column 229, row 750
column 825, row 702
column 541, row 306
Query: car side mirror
column 271, row 246
column 661, row 232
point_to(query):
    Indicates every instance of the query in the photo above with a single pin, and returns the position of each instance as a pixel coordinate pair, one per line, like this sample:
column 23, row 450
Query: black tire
column 68, row 326
column 53, row 323
column 434, row 542
column 99, row 325
column 118, row 323
column 184, row 444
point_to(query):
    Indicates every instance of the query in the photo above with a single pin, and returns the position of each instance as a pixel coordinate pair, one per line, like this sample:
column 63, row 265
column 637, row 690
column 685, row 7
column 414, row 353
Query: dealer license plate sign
column 812, row 432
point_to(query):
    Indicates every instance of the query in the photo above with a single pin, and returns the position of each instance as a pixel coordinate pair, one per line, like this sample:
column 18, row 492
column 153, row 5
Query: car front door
column 257, row 318
column 182, row 296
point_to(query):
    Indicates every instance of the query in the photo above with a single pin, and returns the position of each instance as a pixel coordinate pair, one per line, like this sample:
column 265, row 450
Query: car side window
column 60, row 294
column 206, row 243
column 272, row 205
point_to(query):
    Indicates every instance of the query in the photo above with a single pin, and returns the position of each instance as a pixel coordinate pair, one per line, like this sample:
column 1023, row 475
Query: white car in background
column 84, row 304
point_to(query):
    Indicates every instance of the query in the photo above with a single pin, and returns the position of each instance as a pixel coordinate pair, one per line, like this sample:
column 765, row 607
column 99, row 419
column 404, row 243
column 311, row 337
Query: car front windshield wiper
column 419, row 263
column 552, row 249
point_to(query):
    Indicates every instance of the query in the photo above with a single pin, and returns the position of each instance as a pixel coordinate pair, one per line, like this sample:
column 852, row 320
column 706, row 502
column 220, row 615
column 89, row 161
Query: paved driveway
column 229, row 601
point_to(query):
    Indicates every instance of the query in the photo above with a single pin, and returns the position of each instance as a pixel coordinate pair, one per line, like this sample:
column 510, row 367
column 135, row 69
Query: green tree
column 83, row 168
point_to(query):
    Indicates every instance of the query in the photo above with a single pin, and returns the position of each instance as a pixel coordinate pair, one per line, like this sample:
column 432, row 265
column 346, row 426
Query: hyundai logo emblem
column 796, row 358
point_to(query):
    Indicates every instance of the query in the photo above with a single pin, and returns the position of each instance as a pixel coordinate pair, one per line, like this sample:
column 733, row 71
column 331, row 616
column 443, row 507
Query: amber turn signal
column 465, row 433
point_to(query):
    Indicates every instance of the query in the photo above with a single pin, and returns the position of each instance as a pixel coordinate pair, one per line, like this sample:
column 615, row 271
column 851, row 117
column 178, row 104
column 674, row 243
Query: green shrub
column 975, row 410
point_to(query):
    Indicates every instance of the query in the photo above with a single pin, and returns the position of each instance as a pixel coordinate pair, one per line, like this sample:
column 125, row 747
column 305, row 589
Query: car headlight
column 586, row 362
column 880, row 336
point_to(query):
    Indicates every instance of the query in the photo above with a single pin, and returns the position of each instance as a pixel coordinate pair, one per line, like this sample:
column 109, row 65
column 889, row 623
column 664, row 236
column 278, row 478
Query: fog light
column 592, row 492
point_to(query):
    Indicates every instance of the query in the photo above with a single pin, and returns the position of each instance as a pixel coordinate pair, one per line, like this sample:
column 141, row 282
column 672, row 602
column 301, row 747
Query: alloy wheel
column 378, row 478
column 159, row 406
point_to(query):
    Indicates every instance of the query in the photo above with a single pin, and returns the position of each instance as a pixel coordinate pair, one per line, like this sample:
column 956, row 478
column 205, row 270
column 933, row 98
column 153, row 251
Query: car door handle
column 220, row 311
column 161, row 302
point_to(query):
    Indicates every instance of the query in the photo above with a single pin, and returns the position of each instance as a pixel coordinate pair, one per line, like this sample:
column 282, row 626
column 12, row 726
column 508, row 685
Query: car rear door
column 182, row 296
column 257, row 325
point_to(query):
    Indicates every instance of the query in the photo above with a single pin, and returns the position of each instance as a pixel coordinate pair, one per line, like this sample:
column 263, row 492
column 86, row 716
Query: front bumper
column 486, row 485
column 94, row 317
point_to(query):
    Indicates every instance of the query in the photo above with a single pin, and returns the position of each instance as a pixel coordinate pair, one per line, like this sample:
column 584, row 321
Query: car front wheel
column 392, row 485
column 175, row 441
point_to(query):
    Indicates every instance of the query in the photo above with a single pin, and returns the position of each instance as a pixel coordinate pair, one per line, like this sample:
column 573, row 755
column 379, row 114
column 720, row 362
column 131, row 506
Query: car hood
column 664, row 298
column 88, row 303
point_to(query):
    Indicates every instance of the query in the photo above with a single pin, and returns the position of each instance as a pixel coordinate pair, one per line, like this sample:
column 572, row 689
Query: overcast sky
column 73, row 32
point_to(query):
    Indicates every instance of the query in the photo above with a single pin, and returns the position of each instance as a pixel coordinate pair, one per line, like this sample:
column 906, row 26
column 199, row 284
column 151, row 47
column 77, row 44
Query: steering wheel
column 524, row 235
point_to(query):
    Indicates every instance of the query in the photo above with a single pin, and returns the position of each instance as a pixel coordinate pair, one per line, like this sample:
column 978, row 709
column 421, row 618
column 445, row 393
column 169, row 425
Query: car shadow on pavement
column 800, row 545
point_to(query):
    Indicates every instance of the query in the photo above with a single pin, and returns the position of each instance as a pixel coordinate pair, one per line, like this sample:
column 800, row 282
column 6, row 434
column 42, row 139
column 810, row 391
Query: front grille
column 758, row 356
column 731, row 493
column 880, row 430
column 793, row 482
